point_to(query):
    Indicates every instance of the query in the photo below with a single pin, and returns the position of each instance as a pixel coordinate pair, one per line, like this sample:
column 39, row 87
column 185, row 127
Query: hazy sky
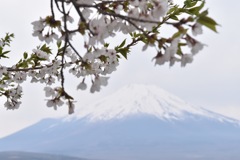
column 211, row 81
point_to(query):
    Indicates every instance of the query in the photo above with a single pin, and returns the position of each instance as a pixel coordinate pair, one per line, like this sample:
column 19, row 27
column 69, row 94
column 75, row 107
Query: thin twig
column 70, row 44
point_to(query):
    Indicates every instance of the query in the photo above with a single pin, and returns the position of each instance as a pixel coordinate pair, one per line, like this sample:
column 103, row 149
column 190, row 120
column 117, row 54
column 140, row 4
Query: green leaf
column 173, row 9
column 7, row 39
column 6, row 52
column 204, row 13
column 123, row 51
column 3, row 53
column 46, row 49
column 22, row 64
column 197, row 9
column 25, row 55
column 82, row 28
column 208, row 22
column 174, row 17
column 179, row 51
column 190, row 3
column 59, row 44
column 177, row 34
column 106, row 45
column 122, row 44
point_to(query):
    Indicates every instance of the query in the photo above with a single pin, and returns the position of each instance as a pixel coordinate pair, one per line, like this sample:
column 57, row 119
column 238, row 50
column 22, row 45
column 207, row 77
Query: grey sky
column 212, row 80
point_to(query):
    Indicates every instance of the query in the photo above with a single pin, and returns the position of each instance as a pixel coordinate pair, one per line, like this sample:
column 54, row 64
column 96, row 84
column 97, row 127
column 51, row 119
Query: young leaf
column 122, row 44
column 197, row 9
column 25, row 55
column 208, row 22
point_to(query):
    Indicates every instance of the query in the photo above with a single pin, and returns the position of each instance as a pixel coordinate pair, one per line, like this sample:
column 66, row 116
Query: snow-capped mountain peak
column 142, row 99
column 137, row 122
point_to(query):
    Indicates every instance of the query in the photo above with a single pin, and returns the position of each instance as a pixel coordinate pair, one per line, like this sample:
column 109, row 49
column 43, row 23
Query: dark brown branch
column 52, row 10
column 65, row 45
column 78, row 10
column 127, row 18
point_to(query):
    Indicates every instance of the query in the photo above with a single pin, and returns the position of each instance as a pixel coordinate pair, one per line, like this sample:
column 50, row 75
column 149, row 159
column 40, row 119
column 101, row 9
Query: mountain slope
column 136, row 123
column 33, row 156
column 144, row 99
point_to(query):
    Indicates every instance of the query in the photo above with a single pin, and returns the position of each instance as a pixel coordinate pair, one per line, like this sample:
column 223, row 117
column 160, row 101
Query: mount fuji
column 138, row 122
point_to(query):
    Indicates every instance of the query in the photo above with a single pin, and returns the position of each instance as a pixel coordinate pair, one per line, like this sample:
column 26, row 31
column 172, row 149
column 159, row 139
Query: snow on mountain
column 144, row 99
column 139, row 122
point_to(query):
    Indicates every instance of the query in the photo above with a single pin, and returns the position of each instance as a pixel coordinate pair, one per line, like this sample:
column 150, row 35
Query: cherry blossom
column 98, row 82
column 82, row 85
column 41, row 54
column 3, row 70
column 195, row 46
column 49, row 92
column 197, row 29
column 55, row 103
column 96, row 55
column 186, row 58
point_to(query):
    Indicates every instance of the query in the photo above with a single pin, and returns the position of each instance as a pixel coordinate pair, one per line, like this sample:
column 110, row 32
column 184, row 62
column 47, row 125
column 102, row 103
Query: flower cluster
column 44, row 29
column 173, row 54
column 41, row 54
column 13, row 97
column 3, row 70
column 58, row 96
column 97, row 23
column 99, row 62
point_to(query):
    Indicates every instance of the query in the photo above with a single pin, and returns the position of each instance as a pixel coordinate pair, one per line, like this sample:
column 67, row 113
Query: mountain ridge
column 34, row 156
column 141, row 134
column 144, row 99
